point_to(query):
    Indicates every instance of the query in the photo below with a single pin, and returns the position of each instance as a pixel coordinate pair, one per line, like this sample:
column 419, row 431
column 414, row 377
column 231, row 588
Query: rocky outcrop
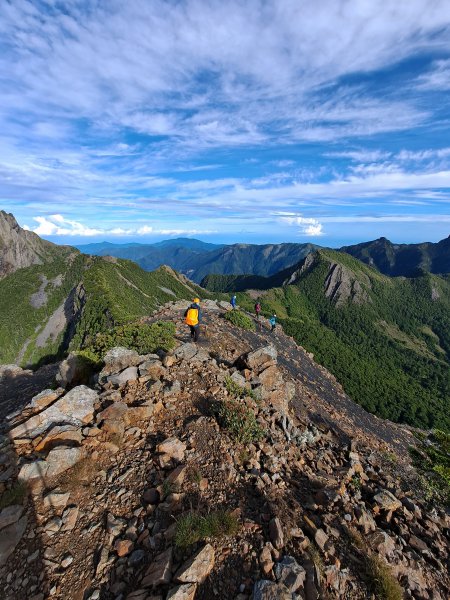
column 20, row 248
column 342, row 286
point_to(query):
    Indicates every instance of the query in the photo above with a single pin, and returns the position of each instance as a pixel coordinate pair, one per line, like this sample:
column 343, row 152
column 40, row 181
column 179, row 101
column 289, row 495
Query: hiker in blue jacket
column 233, row 301
column 273, row 322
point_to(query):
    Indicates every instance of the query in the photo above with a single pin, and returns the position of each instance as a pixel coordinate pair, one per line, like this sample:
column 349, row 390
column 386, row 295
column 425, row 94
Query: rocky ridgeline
column 100, row 479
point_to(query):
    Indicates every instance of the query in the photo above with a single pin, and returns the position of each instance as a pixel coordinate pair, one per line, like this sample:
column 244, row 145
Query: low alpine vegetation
column 237, row 391
column 13, row 495
column 192, row 527
column 240, row 319
column 144, row 338
column 239, row 420
column 432, row 459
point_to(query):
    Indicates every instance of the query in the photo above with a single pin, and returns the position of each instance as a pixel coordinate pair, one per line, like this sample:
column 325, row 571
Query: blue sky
column 256, row 121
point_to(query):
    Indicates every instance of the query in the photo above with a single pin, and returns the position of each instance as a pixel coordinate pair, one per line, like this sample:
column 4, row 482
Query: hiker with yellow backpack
column 193, row 317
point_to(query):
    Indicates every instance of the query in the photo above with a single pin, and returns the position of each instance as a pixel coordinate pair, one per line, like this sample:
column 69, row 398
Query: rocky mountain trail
column 230, row 469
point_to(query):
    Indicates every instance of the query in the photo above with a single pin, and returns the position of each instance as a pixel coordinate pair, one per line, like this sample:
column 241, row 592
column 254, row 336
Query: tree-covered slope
column 50, row 308
column 386, row 340
column 403, row 259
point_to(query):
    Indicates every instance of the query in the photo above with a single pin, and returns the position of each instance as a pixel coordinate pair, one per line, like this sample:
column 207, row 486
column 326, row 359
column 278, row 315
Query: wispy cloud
column 57, row 225
column 200, row 111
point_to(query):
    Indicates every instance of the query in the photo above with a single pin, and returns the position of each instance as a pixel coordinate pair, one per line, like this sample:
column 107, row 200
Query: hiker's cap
column 197, row 300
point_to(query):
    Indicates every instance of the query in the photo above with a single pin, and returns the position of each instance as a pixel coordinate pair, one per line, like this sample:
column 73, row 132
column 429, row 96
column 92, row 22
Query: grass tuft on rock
column 240, row 319
column 192, row 527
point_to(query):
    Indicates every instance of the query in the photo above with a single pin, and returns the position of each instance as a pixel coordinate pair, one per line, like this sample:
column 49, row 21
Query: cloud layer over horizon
column 241, row 121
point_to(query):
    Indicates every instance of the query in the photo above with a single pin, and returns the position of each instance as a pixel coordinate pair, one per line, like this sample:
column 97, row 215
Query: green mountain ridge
column 58, row 306
column 403, row 259
column 198, row 259
column 387, row 340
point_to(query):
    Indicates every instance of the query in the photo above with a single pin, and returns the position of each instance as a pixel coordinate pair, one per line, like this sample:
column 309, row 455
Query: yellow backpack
column 192, row 316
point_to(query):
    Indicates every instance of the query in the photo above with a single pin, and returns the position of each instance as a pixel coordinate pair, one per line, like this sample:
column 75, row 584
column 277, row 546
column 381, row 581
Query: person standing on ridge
column 193, row 317
column 257, row 310
column 273, row 322
column 233, row 301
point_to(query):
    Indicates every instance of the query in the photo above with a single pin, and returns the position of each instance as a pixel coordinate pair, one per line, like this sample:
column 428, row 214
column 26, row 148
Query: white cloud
column 57, row 225
column 308, row 226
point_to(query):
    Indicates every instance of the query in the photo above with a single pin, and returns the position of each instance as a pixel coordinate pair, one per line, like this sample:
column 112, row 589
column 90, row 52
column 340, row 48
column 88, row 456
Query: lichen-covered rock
column 197, row 568
column 75, row 408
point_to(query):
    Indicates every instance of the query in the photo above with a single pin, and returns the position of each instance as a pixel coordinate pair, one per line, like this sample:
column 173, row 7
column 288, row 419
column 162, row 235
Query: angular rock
column 269, row 590
column 117, row 359
column 56, row 500
column 58, row 461
column 61, row 459
column 386, row 500
column 45, row 398
column 10, row 537
column 173, row 448
column 128, row 374
column 10, row 515
column 75, row 408
column 123, row 547
column 183, row 592
column 290, row 573
column 69, row 518
column 276, row 533
column 186, row 351
column 68, row 434
column 153, row 368
column 259, row 359
column 197, row 568
column 115, row 525
column 73, row 371
column 159, row 571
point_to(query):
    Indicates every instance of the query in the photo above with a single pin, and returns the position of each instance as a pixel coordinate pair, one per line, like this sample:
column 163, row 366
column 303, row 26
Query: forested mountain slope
column 386, row 340
column 198, row 259
column 403, row 259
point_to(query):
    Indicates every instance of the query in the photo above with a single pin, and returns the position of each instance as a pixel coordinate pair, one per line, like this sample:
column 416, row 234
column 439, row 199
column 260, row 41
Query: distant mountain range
column 198, row 259
column 403, row 259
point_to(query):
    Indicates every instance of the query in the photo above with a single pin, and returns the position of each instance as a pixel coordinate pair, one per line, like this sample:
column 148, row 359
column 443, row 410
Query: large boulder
column 128, row 374
column 118, row 359
column 75, row 408
column 258, row 360
column 74, row 370
column 58, row 460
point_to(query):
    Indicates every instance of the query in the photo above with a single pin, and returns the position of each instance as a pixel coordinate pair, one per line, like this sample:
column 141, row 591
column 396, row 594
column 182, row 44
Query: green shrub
column 240, row 319
column 192, row 527
column 239, row 420
column 432, row 459
column 143, row 338
column 235, row 390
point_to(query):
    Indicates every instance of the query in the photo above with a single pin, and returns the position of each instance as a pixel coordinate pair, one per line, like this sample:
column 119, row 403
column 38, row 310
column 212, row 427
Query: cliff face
column 20, row 248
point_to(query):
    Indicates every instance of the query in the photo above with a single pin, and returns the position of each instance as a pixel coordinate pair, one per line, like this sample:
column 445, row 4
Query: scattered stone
column 159, row 571
column 10, row 537
column 183, row 592
column 123, row 547
column 129, row 374
column 290, row 573
column 269, row 590
column 197, row 568
column 276, row 533
column 387, row 501
column 173, row 448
